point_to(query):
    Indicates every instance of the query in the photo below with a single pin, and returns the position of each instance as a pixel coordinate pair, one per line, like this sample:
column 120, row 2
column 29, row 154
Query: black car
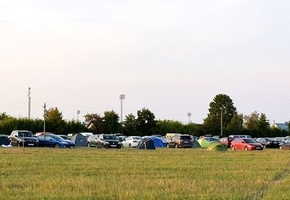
column 23, row 138
column 108, row 141
column 268, row 142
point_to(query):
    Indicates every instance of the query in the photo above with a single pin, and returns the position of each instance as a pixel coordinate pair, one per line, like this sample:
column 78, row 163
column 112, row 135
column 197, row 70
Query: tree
column 169, row 126
column 112, row 124
column 130, row 125
column 257, row 124
column 54, row 121
column 145, row 122
column 236, row 125
column 263, row 126
column 95, row 123
column 221, row 112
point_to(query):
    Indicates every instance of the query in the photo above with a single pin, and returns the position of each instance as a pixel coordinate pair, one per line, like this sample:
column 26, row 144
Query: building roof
column 282, row 126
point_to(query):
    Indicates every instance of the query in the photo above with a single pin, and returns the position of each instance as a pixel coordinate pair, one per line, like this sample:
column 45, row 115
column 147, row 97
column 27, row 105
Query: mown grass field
column 90, row 173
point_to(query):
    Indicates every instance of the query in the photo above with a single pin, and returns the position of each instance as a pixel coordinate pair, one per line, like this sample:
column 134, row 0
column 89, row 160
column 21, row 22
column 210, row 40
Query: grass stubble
column 91, row 173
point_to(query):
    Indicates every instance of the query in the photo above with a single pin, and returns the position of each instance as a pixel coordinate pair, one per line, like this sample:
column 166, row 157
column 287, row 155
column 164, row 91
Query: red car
column 245, row 144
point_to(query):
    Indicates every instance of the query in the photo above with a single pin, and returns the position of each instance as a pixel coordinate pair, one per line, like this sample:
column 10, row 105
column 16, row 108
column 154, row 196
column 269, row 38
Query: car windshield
column 249, row 140
column 25, row 134
column 110, row 137
column 185, row 137
column 137, row 138
column 58, row 137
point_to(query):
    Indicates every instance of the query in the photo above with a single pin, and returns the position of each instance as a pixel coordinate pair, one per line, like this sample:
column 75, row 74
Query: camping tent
column 195, row 144
column 79, row 140
column 158, row 142
column 4, row 140
column 203, row 142
column 217, row 146
column 146, row 143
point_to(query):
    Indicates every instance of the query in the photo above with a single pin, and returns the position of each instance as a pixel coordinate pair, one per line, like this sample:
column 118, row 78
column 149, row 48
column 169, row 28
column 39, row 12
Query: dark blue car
column 52, row 140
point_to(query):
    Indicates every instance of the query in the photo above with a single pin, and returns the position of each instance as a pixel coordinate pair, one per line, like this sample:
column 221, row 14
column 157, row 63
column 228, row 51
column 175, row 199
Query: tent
column 79, row 140
column 195, row 144
column 203, row 142
column 146, row 143
column 158, row 142
column 4, row 140
column 217, row 146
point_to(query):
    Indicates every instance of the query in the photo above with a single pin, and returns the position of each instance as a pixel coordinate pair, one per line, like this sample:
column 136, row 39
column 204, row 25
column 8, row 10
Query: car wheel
column 233, row 148
column 56, row 146
column 246, row 148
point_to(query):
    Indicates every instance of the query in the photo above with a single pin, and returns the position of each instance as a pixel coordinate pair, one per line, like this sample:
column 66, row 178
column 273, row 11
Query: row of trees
column 222, row 119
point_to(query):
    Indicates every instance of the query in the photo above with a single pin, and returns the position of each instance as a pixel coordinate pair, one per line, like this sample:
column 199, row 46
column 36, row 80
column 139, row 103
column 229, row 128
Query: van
column 169, row 136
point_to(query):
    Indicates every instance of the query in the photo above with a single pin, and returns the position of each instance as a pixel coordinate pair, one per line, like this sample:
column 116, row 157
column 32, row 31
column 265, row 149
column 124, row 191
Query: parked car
column 108, row 141
column 92, row 140
column 23, row 138
column 65, row 137
column 52, row 140
column 246, row 144
column 180, row 141
column 131, row 141
column 268, row 142
column 226, row 141
column 285, row 146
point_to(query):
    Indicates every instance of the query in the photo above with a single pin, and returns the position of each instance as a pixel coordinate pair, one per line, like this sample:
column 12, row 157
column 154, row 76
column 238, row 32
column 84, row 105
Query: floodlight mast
column 44, row 111
column 29, row 102
column 122, row 97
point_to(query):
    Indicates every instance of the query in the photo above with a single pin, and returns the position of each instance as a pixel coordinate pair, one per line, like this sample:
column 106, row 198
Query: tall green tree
column 146, row 123
column 257, row 124
column 54, row 121
column 130, row 125
column 221, row 112
column 112, row 122
column 236, row 125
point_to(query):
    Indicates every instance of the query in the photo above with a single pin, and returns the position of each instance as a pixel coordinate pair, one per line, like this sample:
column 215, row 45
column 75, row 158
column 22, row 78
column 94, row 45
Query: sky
column 171, row 57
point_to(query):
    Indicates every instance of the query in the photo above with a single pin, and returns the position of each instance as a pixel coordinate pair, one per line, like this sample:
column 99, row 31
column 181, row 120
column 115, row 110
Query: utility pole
column 29, row 102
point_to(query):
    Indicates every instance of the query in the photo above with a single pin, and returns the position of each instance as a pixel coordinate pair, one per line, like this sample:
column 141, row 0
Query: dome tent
column 217, row 146
column 146, row 143
column 79, row 140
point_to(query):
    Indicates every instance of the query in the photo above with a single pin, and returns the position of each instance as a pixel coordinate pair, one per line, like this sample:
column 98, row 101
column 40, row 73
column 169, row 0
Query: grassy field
column 90, row 173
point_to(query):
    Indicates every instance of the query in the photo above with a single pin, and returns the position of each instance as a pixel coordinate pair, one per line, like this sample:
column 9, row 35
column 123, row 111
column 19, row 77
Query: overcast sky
column 171, row 57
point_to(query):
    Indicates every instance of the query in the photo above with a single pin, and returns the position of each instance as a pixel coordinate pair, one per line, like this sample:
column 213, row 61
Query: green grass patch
column 91, row 173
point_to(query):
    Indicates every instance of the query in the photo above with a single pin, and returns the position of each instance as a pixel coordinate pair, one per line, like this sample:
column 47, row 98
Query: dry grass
column 90, row 173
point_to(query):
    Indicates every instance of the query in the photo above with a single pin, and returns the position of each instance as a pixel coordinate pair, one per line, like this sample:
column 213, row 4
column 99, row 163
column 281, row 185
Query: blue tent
column 146, row 143
column 158, row 142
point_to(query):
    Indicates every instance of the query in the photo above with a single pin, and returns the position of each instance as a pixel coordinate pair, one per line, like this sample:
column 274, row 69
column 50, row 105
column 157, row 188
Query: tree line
column 222, row 119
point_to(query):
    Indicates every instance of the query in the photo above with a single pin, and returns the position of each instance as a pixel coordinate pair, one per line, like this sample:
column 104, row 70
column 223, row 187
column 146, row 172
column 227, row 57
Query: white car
column 131, row 141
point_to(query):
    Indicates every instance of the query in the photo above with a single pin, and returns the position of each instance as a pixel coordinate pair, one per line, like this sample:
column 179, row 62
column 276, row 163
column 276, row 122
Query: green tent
column 217, row 146
column 203, row 142
column 196, row 144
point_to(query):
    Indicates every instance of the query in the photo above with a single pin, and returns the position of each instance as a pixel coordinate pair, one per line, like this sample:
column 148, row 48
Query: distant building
column 281, row 126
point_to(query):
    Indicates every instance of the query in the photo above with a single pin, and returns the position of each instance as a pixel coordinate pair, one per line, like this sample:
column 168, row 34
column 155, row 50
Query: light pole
column 44, row 111
column 189, row 115
column 29, row 102
column 122, row 97
column 78, row 112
